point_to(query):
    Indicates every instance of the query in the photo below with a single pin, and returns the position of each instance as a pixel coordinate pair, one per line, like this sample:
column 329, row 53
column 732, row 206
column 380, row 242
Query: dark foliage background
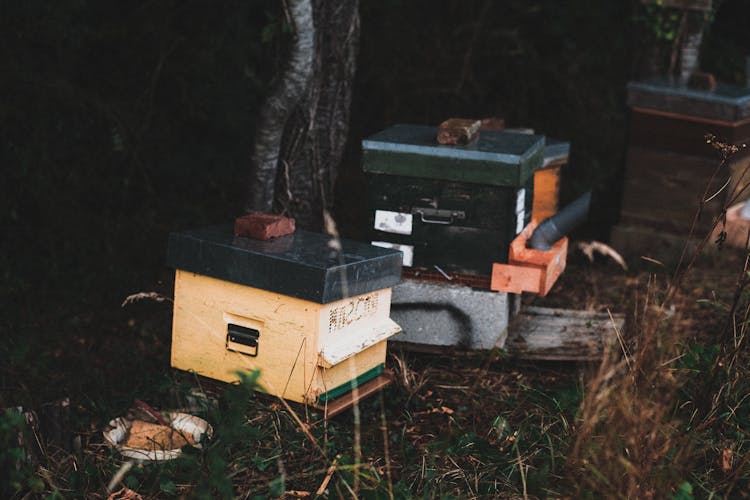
column 122, row 121
column 557, row 67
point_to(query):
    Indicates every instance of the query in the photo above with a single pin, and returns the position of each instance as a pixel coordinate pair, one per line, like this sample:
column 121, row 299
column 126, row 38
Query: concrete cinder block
column 450, row 315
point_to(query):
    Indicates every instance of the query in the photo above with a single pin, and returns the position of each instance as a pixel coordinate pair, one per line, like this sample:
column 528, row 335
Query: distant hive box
column 669, row 164
column 547, row 180
column 313, row 319
column 456, row 207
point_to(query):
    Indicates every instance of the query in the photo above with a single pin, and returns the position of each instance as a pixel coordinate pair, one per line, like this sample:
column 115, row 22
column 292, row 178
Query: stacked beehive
column 312, row 314
column 669, row 164
column 454, row 211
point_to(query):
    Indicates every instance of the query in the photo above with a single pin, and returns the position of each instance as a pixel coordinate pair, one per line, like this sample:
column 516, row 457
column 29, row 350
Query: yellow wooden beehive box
column 312, row 314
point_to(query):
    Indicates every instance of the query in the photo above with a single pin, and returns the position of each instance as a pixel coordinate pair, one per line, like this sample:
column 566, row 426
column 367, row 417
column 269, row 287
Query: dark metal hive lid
column 727, row 102
column 496, row 158
column 304, row 265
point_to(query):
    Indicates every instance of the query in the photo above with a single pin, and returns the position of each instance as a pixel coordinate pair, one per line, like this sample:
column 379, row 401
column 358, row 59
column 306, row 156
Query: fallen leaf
column 727, row 457
column 125, row 494
column 588, row 249
column 143, row 296
column 298, row 494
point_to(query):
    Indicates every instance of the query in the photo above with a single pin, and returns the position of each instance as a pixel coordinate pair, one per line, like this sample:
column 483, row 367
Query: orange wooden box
column 546, row 192
column 529, row 270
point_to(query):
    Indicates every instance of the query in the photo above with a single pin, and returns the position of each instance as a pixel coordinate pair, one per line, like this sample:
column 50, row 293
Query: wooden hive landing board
column 354, row 396
column 540, row 333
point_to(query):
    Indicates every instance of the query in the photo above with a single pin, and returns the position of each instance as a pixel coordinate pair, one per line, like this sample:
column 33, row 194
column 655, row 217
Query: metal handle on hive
column 244, row 337
column 426, row 213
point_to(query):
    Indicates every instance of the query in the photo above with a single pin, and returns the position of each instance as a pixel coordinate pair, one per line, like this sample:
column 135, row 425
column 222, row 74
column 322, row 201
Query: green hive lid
column 495, row 158
column 726, row 102
column 304, row 264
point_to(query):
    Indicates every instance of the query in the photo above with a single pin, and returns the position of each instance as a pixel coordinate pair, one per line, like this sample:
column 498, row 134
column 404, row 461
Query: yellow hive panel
column 295, row 337
column 286, row 353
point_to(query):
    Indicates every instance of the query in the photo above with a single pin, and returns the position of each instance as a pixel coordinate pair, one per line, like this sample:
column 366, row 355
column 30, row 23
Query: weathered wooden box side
column 286, row 354
column 530, row 270
column 540, row 333
column 670, row 166
column 288, row 345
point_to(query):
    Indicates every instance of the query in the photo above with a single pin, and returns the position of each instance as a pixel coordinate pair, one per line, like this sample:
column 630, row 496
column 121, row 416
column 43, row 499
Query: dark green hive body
column 465, row 203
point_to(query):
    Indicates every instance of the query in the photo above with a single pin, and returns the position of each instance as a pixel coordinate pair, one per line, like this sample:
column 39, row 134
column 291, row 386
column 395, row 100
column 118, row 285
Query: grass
column 440, row 431
column 666, row 414
column 669, row 419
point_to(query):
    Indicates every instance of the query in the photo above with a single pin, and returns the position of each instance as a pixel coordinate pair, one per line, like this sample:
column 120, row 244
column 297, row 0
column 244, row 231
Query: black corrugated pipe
column 560, row 224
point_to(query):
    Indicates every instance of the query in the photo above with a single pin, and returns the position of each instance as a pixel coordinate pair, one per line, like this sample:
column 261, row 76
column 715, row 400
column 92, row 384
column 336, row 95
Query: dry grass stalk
column 328, row 476
column 136, row 297
column 628, row 443
column 638, row 436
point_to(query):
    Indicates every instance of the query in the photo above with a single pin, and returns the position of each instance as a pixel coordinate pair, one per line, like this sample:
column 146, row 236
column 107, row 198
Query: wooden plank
column 352, row 341
column 530, row 270
column 540, row 333
column 512, row 278
column 348, row 400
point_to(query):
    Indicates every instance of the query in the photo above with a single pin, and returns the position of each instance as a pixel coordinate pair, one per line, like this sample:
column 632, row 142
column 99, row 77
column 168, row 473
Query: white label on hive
column 393, row 222
column 352, row 311
column 520, row 200
column 407, row 250
column 520, row 216
column 520, row 209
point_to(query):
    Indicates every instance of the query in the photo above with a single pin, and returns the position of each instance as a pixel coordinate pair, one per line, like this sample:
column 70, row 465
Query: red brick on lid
column 263, row 226
column 458, row 131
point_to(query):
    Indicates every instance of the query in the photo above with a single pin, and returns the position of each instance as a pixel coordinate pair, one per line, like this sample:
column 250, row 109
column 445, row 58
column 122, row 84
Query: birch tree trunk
column 316, row 131
column 279, row 106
